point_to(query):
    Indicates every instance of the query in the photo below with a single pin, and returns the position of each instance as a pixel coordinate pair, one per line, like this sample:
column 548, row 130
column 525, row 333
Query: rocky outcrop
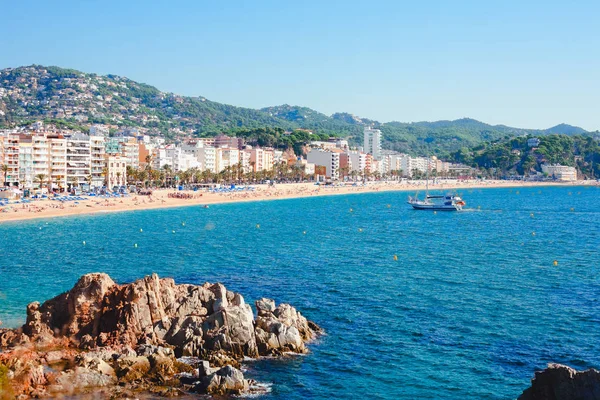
column 559, row 382
column 100, row 334
column 281, row 329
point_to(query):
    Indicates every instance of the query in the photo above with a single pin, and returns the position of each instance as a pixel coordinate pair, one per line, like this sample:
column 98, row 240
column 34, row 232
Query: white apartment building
column 41, row 156
column 26, row 176
column 130, row 149
column 229, row 157
column 245, row 157
column 410, row 164
column 116, row 170
column 358, row 161
column 79, row 159
column 98, row 160
column 372, row 142
column 560, row 172
column 160, row 158
column 208, row 159
column 57, row 171
column 329, row 160
column 11, row 158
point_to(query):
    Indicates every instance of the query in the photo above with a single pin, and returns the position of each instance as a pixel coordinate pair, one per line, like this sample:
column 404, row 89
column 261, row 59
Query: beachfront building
column 98, row 160
column 160, row 158
column 358, row 161
column 208, row 159
column 57, row 171
column 26, row 176
column 245, row 157
column 372, row 142
column 560, row 172
column 116, row 170
column 11, row 158
column 130, row 149
column 229, row 157
column 79, row 159
column 309, row 168
column 40, row 154
column 268, row 159
column 328, row 159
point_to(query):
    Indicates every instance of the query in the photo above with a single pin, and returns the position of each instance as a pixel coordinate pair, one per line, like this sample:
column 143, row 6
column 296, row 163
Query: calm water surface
column 471, row 308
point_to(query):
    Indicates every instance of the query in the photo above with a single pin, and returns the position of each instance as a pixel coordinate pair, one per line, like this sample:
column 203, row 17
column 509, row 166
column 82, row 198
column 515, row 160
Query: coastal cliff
column 559, row 382
column 150, row 335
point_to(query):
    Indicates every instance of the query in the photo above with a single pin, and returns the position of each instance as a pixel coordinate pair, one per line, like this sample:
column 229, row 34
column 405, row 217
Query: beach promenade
column 163, row 198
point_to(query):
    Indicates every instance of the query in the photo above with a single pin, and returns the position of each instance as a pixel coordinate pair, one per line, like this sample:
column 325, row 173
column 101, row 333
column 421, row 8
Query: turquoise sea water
column 471, row 308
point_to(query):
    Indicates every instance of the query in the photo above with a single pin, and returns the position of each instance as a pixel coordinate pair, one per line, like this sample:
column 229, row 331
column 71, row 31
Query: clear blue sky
column 531, row 64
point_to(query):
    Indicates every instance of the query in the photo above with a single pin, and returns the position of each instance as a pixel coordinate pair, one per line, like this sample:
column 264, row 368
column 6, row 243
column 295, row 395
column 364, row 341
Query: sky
column 528, row 64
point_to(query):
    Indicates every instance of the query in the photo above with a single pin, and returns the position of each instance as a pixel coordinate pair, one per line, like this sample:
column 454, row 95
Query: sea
column 414, row 304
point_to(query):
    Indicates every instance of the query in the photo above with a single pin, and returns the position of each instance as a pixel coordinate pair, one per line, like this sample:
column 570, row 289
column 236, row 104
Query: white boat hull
column 435, row 207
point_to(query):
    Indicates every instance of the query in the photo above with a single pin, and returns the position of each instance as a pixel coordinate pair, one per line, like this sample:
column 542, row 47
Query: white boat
column 448, row 202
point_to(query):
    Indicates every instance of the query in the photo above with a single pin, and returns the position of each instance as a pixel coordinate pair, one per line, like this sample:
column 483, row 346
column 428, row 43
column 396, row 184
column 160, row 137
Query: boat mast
column 427, row 179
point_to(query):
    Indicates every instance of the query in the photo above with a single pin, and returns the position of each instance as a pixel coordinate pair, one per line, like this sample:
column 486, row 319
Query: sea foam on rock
column 100, row 334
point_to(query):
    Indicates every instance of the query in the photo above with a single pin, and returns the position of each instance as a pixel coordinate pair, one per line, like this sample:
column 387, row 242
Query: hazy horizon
column 529, row 66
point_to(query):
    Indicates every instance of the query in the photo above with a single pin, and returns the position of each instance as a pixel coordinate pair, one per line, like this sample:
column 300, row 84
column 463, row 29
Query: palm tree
column 131, row 174
column 74, row 182
column 89, row 179
column 4, row 169
column 119, row 178
column 105, row 175
column 41, row 178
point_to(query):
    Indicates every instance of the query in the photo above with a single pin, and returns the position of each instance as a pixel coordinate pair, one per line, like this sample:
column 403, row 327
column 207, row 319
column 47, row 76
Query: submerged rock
column 99, row 334
column 560, row 382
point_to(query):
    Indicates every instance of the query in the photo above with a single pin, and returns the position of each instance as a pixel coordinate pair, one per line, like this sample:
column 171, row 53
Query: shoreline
column 161, row 200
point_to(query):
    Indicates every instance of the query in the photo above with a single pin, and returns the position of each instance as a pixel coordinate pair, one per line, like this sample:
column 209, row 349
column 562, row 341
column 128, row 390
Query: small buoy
column 173, row 231
column 435, row 212
column 479, row 207
column 395, row 257
column 389, row 206
column 531, row 215
column 360, row 229
column 351, row 210
column 532, row 233
column 135, row 245
column 555, row 263
column 304, row 232
column 84, row 242
column 257, row 226
column 183, row 224
column 40, row 228
column 141, row 230
column 572, row 209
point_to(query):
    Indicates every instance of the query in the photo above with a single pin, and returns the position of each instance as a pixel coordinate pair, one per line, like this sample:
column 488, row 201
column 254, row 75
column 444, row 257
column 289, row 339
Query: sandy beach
column 163, row 198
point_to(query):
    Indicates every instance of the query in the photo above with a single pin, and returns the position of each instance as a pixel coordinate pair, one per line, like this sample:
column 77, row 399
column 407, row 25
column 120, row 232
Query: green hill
column 77, row 100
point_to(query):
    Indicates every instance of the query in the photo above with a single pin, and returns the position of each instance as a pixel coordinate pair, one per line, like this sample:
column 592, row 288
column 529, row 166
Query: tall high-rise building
column 79, row 159
column 372, row 142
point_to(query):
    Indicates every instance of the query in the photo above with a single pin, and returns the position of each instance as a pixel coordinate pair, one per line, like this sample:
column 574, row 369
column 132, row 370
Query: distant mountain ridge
column 80, row 99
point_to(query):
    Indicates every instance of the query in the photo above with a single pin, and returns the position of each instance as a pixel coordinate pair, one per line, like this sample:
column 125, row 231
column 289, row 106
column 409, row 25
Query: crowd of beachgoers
column 69, row 205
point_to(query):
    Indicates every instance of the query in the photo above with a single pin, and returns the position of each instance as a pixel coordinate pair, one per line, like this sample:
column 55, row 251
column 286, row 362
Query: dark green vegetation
column 512, row 156
column 77, row 100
